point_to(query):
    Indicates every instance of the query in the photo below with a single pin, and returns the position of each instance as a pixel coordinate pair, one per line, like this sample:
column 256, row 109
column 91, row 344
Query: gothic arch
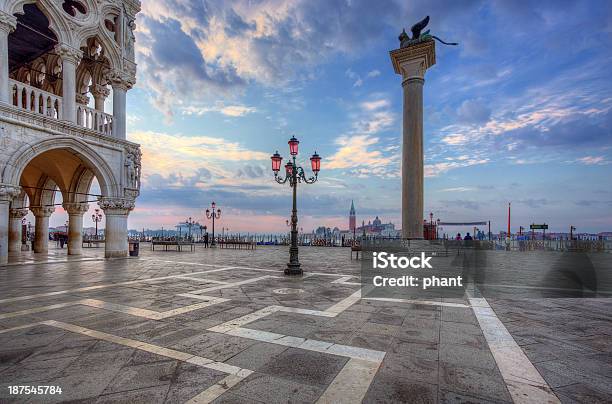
column 109, row 184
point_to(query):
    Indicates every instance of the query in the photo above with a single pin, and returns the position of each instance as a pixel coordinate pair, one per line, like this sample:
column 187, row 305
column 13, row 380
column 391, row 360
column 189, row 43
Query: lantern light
column 276, row 162
column 293, row 146
column 289, row 168
column 315, row 162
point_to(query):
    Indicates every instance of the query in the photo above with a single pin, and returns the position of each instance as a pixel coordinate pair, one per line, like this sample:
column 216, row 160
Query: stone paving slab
column 428, row 352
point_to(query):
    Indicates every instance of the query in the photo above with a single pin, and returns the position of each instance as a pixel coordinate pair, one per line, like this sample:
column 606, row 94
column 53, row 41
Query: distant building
column 352, row 218
column 378, row 228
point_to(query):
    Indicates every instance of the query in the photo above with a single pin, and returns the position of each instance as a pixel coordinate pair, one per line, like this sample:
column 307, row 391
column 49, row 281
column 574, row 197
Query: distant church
column 352, row 218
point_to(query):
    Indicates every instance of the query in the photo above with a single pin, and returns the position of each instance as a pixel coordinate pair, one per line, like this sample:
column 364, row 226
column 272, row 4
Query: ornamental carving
column 8, row 192
column 121, row 79
column 75, row 208
column 8, row 23
column 18, row 213
column 132, row 168
column 42, row 211
column 116, row 206
column 68, row 54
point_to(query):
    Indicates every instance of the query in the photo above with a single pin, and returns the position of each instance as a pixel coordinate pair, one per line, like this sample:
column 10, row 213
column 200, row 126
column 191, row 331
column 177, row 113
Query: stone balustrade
column 41, row 102
column 36, row 100
column 96, row 120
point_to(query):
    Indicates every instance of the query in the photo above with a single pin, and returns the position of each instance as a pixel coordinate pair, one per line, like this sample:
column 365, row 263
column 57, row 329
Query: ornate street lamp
column 213, row 214
column 96, row 217
column 294, row 175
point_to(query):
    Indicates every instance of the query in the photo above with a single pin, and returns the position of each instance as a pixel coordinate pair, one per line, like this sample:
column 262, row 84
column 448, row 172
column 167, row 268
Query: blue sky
column 520, row 111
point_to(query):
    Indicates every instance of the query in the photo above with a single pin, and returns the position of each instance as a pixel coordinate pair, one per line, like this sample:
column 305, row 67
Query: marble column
column 75, row 226
column 116, row 211
column 121, row 82
column 411, row 61
column 8, row 23
column 16, row 216
column 99, row 93
column 119, row 118
column 41, row 228
column 70, row 60
column 7, row 193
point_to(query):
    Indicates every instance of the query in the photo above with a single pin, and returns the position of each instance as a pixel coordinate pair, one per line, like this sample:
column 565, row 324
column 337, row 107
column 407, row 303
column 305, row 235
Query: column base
column 115, row 254
column 293, row 269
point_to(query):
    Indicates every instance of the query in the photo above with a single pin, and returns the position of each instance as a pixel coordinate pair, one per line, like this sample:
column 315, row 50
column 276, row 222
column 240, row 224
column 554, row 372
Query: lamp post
column 213, row 214
column 24, row 233
column 294, row 175
column 96, row 217
column 437, row 228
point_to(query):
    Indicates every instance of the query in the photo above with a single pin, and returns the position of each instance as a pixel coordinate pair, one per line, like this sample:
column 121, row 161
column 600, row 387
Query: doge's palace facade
column 60, row 60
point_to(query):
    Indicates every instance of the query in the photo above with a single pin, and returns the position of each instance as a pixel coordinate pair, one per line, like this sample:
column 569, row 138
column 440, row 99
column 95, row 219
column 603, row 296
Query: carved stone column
column 8, row 23
column 99, row 93
column 116, row 211
column 70, row 60
column 16, row 216
column 41, row 228
column 411, row 62
column 121, row 82
column 75, row 226
column 7, row 193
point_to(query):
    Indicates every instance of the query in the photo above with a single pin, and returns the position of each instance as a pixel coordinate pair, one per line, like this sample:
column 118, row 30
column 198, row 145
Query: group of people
column 480, row 235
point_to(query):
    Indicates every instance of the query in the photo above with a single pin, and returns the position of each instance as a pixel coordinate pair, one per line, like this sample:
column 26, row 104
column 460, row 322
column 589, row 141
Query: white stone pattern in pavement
column 352, row 382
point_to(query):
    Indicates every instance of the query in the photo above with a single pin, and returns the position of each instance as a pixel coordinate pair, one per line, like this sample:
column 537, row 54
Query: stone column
column 41, row 228
column 121, row 82
column 99, row 93
column 116, row 211
column 70, row 60
column 7, row 193
column 16, row 215
column 75, row 226
column 8, row 23
column 411, row 62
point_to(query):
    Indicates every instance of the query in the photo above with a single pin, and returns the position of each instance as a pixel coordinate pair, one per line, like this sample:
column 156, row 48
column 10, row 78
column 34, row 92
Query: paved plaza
column 226, row 326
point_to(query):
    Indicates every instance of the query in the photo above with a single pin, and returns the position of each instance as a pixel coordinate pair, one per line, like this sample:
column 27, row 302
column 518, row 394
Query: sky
column 520, row 111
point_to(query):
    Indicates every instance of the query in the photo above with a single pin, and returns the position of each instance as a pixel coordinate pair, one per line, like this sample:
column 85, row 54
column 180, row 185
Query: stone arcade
column 57, row 62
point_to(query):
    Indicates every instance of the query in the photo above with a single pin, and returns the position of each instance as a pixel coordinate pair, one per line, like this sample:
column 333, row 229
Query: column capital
column 68, row 53
column 18, row 213
column 8, row 192
column 82, row 99
column 75, row 208
column 116, row 206
column 120, row 79
column 8, row 22
column 413, row 60
column 99, row 90
column 43, row 211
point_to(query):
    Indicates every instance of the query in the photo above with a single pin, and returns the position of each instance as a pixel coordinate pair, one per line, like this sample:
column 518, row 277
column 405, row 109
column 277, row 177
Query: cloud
column 593, row 160
column 356, row 153
column 187, row 50
column 373, row 73
column 227, row 110
column 190, row 160
column 434, row 170
column 458, row 189
column 473, row 111
column 375, row 105
column 455, row 139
